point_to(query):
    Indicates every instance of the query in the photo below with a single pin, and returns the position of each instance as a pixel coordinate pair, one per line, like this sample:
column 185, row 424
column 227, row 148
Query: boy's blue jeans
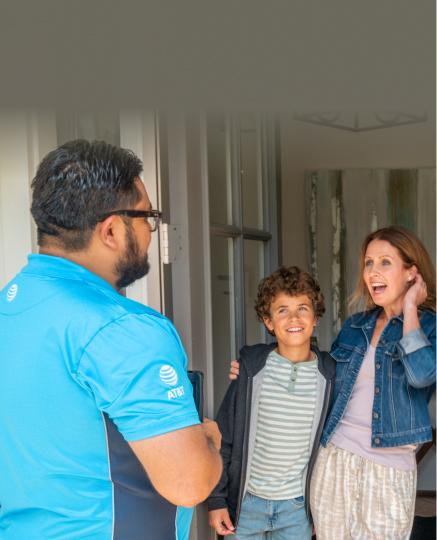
column 263, row 519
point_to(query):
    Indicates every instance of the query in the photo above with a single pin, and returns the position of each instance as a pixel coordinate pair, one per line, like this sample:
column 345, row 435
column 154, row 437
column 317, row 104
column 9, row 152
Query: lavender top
column 354, row 429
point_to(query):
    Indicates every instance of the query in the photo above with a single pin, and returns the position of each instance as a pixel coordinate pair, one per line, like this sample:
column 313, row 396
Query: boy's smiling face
column 292, row 319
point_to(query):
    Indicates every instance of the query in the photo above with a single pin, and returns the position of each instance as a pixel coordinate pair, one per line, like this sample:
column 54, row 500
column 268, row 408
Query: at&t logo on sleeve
column 169, row 377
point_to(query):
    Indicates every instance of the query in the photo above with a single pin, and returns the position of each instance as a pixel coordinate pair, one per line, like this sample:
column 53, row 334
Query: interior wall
column 308, row 146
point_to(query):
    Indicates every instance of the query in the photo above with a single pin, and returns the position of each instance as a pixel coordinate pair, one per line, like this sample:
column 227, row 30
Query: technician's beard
column 132, row 265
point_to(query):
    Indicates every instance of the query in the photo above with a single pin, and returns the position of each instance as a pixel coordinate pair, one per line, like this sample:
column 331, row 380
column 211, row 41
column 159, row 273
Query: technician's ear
column 111, row 232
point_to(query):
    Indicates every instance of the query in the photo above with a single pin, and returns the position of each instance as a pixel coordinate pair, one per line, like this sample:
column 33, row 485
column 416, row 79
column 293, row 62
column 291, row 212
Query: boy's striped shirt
column 283, row 430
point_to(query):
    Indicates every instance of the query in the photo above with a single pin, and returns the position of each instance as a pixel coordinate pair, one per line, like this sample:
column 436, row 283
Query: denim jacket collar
column 367, row 319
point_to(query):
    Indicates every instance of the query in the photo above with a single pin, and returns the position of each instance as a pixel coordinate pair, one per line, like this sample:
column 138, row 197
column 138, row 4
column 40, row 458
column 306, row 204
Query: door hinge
column 171, row 242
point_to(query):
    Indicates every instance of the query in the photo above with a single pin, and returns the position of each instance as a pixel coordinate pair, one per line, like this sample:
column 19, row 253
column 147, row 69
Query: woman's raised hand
column 416, row 294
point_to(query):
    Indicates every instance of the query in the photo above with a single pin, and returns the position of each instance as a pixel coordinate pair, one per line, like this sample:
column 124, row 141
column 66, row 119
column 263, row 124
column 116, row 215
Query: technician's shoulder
column 93, row 309
column 107, row 305
column 121, row 328
column 145, row 322
column 126, row 316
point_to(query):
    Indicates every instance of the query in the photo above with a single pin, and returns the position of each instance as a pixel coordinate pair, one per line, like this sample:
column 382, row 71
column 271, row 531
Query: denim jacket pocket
column 396, row 368
column 392, row 351
column 342, row 355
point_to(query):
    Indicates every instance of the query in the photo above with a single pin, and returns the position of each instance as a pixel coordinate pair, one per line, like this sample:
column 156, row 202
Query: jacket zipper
column 245, row 449
column 327, row 399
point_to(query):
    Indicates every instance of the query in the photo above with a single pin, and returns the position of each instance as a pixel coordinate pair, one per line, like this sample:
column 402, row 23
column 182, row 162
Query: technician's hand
column 221, row 522
column 234, row 370
column 212, row 433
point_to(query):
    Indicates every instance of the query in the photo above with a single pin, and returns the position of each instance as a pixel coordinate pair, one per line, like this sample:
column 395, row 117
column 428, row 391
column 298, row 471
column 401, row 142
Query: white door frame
column 139, row 133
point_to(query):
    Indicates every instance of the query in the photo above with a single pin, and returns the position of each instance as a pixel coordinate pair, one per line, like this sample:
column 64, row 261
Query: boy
column 272, row 416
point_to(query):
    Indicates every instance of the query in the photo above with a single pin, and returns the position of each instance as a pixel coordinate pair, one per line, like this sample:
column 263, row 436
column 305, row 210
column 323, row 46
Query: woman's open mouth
column 378, row 287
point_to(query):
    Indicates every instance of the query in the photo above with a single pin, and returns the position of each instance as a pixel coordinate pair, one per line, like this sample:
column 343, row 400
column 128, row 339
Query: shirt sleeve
column 135, row 368
column 417, row 353
column 413, row 341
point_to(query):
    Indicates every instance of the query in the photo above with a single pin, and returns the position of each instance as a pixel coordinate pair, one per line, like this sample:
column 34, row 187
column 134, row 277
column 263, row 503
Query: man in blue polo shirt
column 93, row 386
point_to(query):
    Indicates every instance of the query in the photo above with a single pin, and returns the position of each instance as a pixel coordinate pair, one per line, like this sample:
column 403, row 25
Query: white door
column 139, row 133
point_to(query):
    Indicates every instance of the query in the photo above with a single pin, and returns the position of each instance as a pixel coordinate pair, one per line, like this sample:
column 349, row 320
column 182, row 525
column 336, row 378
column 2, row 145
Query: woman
column 364, row 481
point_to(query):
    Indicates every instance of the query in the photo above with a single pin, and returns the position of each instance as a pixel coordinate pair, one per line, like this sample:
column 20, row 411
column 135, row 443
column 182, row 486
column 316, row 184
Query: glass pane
column 253, row 273
column 218, row 178
column 222, row 285
column 250, row 165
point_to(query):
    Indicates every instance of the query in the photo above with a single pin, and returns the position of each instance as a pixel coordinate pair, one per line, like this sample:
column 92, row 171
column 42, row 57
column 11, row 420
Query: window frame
column 267, row 140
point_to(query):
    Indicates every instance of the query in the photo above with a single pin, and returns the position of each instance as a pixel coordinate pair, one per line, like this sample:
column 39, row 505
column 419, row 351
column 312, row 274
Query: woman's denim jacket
column 404, row 377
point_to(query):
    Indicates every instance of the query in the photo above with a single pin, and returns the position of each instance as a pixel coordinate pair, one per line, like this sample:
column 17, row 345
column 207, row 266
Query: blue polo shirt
column 82, row 371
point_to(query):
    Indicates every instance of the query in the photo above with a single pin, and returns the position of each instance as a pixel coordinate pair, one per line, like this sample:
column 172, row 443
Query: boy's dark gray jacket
column 237, row 418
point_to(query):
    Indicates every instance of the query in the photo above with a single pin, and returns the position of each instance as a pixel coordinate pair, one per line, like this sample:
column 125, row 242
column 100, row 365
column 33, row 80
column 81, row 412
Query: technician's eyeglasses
column 152, row 217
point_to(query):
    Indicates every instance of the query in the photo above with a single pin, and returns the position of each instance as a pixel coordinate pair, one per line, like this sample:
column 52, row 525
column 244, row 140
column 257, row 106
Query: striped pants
column 354, row 498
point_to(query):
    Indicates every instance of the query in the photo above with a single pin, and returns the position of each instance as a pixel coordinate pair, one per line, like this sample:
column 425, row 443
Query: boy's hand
column 221, row 522
column 212, row 432
column 234, row 370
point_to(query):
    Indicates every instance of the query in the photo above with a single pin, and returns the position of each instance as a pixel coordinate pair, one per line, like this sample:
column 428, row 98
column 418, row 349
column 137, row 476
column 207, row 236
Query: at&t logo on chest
column 12, row 292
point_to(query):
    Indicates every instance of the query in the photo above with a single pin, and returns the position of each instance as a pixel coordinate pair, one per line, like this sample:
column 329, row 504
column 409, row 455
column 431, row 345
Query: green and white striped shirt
column 285, row 417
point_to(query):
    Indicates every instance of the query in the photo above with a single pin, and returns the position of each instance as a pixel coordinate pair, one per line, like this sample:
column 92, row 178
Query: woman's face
column 385, row 275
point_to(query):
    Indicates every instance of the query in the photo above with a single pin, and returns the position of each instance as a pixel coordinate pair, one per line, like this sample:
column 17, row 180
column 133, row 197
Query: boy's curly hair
column 289, row 280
